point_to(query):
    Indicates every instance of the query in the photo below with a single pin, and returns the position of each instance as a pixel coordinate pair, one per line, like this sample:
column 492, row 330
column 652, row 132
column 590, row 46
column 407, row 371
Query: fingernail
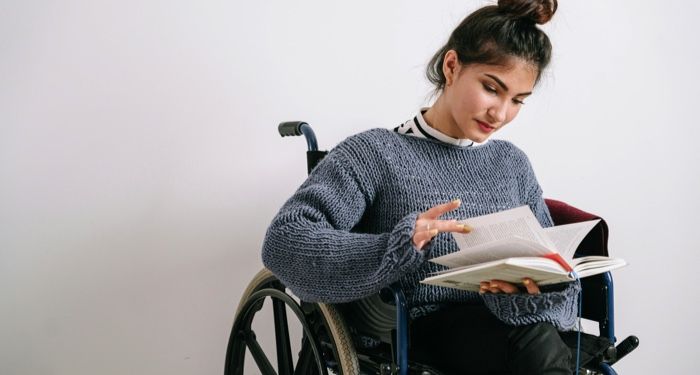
column 457, row 201
column 433, row 232
column 493, row 285
column 526, row 281
column 464, row 228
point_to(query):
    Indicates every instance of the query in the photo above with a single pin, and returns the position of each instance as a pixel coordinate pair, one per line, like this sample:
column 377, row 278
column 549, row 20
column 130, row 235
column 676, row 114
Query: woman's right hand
column 428, row 225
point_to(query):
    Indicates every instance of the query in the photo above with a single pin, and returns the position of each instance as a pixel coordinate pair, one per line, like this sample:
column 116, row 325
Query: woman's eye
column 518, row 101
column 490, row 89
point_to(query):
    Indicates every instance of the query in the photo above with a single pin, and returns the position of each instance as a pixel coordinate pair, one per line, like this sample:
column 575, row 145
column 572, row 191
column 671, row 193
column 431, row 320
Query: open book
column 511, row 245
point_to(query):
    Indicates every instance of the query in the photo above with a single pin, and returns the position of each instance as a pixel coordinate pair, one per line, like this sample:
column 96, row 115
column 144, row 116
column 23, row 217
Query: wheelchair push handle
column 291, row 128
column 296, row 128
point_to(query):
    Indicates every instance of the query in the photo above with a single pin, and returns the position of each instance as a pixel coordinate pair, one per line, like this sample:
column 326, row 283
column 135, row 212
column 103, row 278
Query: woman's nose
column 497, row 112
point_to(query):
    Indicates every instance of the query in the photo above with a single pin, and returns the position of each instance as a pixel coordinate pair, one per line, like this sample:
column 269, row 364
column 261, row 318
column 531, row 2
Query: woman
column 384, row 202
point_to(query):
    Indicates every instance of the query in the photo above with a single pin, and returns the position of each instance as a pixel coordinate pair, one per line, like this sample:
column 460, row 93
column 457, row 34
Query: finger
column 493, row 287
column 484, row 287
column 505, row 286
column 443, row 225
column 440, row 209
column 531, row 286
column 453, row 226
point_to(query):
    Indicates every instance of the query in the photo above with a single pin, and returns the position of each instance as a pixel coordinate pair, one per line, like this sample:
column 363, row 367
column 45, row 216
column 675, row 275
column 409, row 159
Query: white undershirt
column 417, row 127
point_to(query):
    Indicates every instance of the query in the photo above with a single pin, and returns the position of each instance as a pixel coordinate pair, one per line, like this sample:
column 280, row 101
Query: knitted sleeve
column 310, row 245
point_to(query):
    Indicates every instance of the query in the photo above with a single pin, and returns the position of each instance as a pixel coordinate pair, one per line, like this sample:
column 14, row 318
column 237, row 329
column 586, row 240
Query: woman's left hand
column 500, row 286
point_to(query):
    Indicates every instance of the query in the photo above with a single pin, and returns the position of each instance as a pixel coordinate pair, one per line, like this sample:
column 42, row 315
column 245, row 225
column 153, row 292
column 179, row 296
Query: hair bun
column 538, row 11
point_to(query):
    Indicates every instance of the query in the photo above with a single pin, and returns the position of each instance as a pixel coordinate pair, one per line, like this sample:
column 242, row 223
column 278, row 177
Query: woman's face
column 480, row 99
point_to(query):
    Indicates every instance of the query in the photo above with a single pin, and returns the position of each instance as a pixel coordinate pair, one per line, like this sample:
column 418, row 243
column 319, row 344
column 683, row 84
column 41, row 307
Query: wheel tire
column 342, row 341
column 263, row 279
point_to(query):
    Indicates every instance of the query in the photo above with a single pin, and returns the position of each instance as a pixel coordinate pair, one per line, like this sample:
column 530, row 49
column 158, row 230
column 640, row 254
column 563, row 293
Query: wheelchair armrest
column 598, row 303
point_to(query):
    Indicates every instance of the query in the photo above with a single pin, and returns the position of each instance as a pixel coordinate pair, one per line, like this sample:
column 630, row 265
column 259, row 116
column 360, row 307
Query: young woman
column 383, row 202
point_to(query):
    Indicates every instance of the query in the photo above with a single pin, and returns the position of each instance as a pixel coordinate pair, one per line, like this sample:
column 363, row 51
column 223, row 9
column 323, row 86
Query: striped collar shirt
column 417, row 127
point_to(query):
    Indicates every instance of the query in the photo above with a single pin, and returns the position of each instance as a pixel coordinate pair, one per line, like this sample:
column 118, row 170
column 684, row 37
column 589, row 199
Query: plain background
column 140, row 164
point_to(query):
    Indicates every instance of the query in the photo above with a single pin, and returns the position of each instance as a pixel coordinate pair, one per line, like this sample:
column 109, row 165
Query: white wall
column 140, row 165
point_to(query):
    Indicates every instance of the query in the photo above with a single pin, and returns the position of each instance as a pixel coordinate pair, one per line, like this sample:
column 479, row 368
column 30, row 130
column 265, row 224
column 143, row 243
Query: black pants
column 469, row 339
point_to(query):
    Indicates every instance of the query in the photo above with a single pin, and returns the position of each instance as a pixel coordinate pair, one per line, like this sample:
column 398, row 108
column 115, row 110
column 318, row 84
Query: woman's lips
column 486, row 128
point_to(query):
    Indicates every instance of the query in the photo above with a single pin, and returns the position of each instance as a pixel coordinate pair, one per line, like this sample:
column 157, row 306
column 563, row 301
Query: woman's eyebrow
column 503, row 85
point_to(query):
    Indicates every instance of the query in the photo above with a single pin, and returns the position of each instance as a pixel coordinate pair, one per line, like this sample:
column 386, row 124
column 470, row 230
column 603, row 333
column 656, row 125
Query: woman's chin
column 478, row 138
column 475, row 135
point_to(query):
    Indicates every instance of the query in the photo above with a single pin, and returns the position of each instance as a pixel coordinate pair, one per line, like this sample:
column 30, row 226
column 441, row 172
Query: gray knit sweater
column 346, row 232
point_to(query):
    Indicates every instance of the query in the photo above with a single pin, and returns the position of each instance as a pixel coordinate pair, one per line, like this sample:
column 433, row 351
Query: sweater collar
column 417, row 127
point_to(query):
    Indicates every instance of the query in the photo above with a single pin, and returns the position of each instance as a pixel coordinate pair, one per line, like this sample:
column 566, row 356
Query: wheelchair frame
column 326, row 340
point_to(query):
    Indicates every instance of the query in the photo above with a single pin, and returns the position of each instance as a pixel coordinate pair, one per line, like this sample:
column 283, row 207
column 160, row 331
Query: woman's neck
column 438, row 118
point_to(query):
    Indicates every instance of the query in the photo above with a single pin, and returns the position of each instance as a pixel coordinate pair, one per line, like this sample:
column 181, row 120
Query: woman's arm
column 310, row 246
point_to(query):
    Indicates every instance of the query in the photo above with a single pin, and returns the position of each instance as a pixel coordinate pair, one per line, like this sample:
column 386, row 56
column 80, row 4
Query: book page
column 566, row 238
column 593, row 265
column 499, row 249
column 517, row 222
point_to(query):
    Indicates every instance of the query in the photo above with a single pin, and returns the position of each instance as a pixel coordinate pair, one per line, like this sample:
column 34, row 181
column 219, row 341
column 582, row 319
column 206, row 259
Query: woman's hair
column 496, row 33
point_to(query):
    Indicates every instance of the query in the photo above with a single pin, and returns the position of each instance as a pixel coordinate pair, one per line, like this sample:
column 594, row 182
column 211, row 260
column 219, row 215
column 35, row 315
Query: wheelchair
column 331, row 333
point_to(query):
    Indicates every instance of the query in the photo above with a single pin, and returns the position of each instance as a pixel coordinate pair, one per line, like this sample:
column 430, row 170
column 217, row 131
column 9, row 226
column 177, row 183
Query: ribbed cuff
column 559, row 308
column 400, row 245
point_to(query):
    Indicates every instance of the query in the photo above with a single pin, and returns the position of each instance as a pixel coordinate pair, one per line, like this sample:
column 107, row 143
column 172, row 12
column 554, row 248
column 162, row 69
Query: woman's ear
column 450, row 67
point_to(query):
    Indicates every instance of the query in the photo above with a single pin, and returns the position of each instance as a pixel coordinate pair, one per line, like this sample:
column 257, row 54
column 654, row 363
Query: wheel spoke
column 259, row 355
column 284, row 349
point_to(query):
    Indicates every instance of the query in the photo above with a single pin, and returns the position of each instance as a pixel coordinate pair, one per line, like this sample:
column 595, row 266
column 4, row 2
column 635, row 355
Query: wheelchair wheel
column 326, row 343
